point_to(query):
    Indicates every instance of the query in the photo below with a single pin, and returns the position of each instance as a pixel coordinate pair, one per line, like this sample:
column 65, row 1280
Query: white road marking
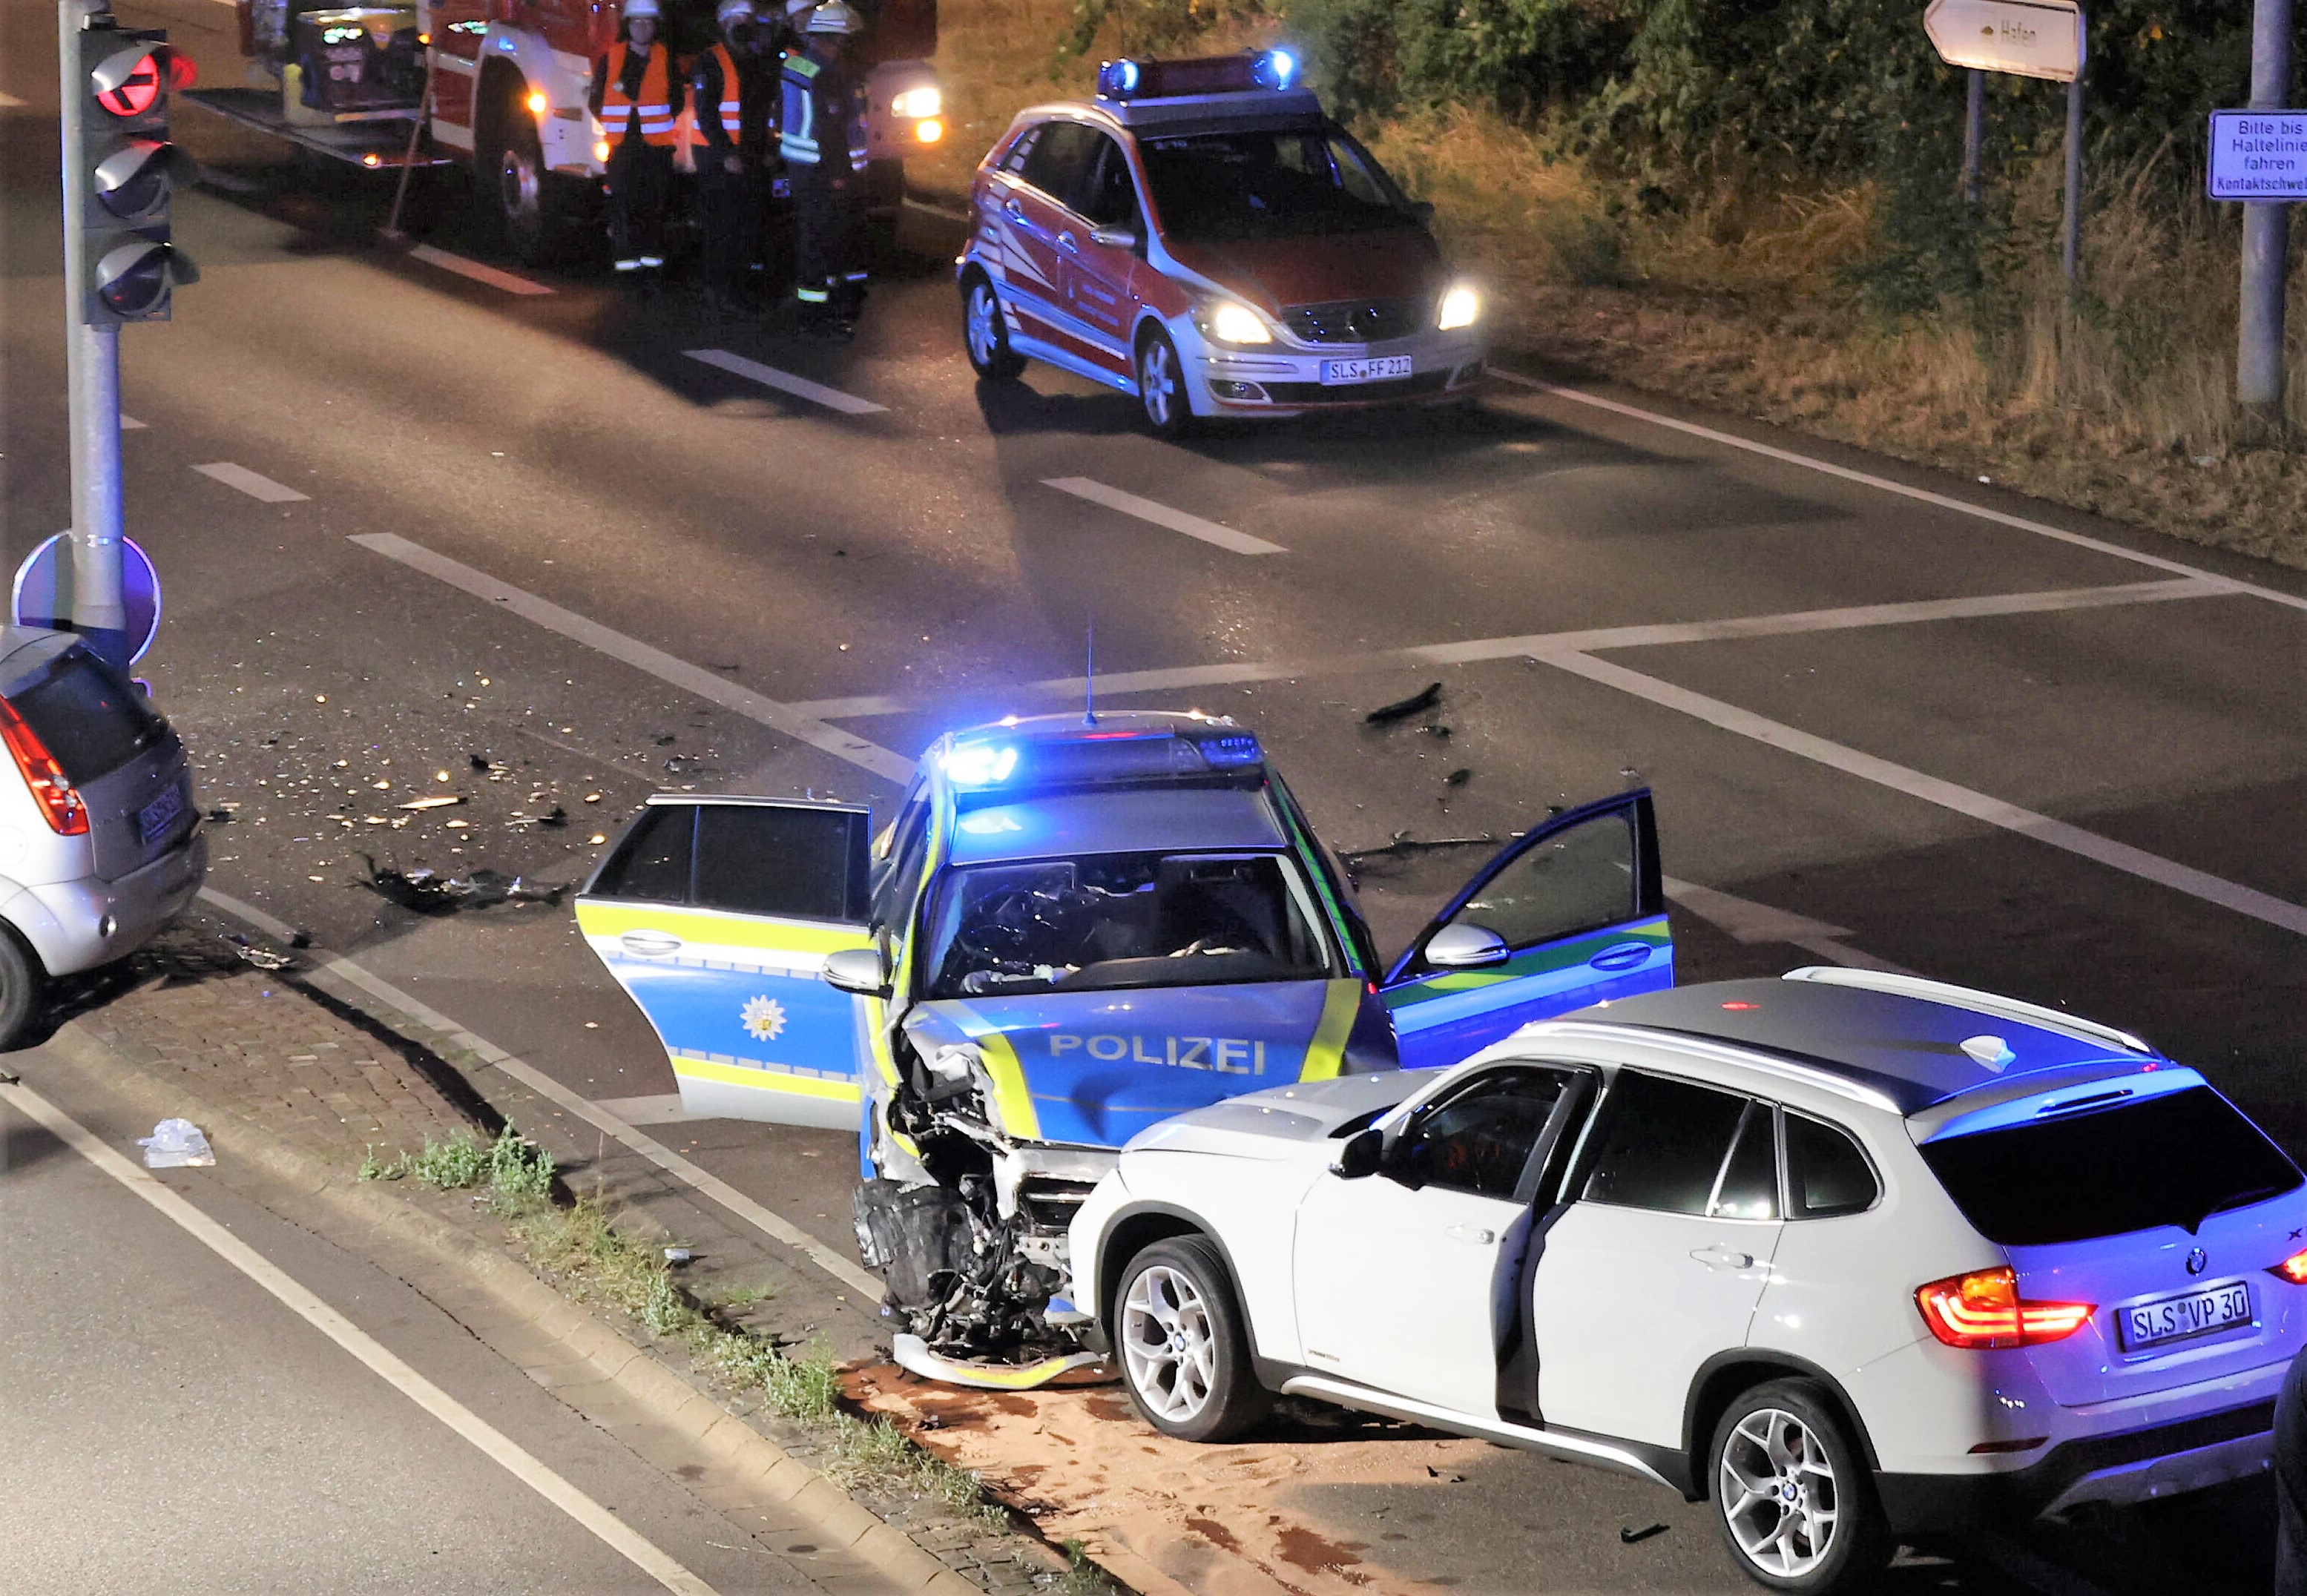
column 1161, row 515
column 1748, row 921
column 600, row 1117
column 946, row 212
column 248, row 482
column 1595, row 639
column 479, row 273
column 129, row 424
column 9, row 102
column 227, row 182
column 1884, row 485
column 2136, row 861
column 307, row 1305
column 632, row 651
column 768, row 376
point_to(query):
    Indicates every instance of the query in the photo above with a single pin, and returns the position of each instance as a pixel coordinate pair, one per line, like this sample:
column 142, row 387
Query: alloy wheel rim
column 1167, row 1345
column 517, row 189
column 1779, row 1493
column 984, row 339
column 1157, row 381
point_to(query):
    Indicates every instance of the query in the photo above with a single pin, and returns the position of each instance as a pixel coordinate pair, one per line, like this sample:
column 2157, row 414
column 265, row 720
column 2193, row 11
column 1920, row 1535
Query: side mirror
column 1364, row 1151
column 1114, row 237
column 858, row 970
column 1466, row 947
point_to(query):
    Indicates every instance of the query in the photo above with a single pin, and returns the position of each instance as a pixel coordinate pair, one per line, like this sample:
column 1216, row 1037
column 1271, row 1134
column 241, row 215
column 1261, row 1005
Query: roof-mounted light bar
column 979, row 763
column 1129, row 80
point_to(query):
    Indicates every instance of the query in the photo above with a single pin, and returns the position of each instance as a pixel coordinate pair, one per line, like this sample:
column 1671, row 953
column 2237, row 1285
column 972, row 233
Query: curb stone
column 671, row 1399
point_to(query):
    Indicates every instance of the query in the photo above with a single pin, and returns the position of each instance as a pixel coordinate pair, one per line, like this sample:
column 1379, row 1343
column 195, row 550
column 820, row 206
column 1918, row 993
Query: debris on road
column 1405, row 847
column 678, row 1255
column 1418, row 703
column 1630, row 1536
column 264, row 958
column 443, row 802
column 1458, row 778
column 176, row 1145
column 429, row 892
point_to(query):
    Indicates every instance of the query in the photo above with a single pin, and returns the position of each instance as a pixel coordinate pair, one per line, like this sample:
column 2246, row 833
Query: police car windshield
column 1217, row 187
column 1122, row 920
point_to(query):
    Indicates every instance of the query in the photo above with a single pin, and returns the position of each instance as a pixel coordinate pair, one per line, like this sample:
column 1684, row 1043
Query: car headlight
column 1232, row 323
column 1462, row 306
column 927, row 100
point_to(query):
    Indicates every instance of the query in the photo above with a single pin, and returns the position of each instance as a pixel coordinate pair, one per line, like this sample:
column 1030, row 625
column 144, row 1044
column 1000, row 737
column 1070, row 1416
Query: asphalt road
column 171, row 1426
column 2011, row 755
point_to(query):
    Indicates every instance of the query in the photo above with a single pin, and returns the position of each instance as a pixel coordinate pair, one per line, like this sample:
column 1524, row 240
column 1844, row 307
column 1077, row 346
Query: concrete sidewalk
column 298, row 1079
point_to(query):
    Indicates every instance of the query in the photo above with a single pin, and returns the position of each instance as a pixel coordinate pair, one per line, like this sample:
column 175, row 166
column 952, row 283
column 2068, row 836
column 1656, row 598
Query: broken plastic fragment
column 176, row 1145
column 439, row 803
column 1403, row 709
column 677, row 1255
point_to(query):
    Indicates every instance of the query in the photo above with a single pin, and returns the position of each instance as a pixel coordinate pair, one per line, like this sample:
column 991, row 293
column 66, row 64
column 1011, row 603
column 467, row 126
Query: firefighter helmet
column 834, row 16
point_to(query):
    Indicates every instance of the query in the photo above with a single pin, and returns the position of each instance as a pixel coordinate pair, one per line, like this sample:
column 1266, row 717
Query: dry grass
column 2119, row 401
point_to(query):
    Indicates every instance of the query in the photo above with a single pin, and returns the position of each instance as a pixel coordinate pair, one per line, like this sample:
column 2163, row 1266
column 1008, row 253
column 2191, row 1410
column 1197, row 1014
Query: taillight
column 2292, row 1268
column 60, row 801
column 1983, row 1309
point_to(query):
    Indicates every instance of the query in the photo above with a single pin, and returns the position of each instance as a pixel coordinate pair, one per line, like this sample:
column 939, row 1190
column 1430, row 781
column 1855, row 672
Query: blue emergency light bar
column 1092, row 756
column 1127, row 80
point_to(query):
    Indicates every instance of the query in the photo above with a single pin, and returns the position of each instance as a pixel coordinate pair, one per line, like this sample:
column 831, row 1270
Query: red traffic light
column 128, row 81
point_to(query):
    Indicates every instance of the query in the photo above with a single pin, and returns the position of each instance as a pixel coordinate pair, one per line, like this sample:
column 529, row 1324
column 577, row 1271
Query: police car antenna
column 1089, row 676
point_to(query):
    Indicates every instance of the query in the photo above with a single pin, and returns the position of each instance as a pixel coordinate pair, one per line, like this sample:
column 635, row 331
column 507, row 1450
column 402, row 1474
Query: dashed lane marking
column 599, row 1115
column 2103, row 850
column 9, row 102
column 1744, row 920
column 129, row 424
column 248, row 482
column 212, row 178
column 632, row 651
column 769, row 376
column 476, row 270
column 1884, row 485
column 524, row 1465
column 1161, row 515
column 1594, row 641
column 949, row 212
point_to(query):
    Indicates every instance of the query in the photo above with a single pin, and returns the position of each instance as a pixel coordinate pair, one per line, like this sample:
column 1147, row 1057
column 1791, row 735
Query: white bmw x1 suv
column 1860, row 1259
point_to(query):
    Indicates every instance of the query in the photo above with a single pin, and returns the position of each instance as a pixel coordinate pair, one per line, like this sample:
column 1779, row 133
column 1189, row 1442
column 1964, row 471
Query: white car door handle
column 649, row 944
column 1069, row 243
column 1723, row 1257
column 1017, row 213
column 1472, row 1235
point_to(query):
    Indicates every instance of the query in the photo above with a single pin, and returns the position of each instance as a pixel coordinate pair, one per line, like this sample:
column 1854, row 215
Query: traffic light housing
column 128, row 170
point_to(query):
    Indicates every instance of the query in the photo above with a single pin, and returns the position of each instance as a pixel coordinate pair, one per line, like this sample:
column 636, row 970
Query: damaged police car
column 1073, row 930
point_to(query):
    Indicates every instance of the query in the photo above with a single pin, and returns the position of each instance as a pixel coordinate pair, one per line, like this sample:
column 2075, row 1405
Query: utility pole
column 1974, row 135
column 92, row 364
column 2266, row 230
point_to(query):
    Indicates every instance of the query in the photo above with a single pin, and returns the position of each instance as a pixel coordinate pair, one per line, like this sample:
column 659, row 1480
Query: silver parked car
column 100, row 845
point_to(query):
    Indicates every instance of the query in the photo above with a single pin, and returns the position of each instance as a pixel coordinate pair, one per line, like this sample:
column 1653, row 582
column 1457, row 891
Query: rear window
column 2174, row 1159
column 88, row 715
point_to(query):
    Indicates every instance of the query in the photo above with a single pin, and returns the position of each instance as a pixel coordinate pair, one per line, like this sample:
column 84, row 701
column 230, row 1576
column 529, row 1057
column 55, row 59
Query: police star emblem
column 763, row 1018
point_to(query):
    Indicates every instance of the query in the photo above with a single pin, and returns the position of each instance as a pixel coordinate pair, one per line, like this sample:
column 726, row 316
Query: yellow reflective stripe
column 1327, row 1051
column 767, row 1080
column 877, row 1022
column 599, row 917
column 1011, row 1099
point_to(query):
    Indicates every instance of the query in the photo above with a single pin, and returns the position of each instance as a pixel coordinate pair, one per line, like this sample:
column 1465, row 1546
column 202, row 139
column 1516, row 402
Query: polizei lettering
column 1227, row 1055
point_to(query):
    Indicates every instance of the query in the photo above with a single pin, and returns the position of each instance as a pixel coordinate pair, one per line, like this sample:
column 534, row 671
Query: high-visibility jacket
column 655, row 106
column 732, row 108
column 821, row 106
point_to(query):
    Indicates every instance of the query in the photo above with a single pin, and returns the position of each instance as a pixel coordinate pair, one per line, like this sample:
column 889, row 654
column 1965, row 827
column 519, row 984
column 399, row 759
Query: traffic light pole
column 92, row 360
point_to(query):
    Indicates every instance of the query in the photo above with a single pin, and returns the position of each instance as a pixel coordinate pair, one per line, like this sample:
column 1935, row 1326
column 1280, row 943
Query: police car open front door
column 1570, row 913
column 716, row 915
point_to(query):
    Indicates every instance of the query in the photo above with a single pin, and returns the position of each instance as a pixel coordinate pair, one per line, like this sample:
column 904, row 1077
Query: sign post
column 2259, row 157
column 2028, row 39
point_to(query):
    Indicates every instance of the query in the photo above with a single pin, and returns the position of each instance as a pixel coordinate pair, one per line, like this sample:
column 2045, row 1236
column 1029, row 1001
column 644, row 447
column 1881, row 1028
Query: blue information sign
column 2258, row 155
column 43, row 591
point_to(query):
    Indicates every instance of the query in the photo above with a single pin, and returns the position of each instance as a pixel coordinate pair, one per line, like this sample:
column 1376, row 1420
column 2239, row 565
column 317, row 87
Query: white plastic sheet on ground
column 175, row 1144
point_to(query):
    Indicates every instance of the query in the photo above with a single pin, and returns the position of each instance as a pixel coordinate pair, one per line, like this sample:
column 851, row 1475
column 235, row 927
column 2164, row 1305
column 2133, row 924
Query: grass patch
column 517, row 1172
column 580, row 1246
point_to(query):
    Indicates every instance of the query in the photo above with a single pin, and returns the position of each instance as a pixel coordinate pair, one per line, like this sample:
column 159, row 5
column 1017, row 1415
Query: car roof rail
column 1964, row 997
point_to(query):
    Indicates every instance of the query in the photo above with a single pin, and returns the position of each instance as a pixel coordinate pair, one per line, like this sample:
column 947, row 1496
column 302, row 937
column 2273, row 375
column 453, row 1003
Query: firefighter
column 731, row 87
column 822, row 131
column 637, row 95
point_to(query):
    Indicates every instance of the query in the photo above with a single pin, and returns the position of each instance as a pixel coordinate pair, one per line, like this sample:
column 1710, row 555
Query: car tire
column 524, row 206
column 1162, row 396
column 1178, row 1335
column 1792, row 1492
column 23, row 990
column 985, row 332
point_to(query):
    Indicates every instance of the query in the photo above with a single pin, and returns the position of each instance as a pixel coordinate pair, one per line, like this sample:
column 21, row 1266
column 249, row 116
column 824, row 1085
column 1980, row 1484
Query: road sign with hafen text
column 2033, row 38
column 2258, row 155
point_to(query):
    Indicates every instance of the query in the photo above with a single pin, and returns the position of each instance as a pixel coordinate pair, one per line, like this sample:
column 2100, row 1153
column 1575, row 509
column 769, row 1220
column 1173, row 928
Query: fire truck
column 500, row 86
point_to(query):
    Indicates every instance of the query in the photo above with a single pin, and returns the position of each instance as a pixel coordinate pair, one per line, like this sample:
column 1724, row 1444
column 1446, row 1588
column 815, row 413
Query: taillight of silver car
column 1983, row 1310
column 60, row 801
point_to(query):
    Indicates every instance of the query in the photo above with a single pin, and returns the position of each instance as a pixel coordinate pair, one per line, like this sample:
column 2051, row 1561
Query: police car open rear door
column 1570, row 913
column 716, row 914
